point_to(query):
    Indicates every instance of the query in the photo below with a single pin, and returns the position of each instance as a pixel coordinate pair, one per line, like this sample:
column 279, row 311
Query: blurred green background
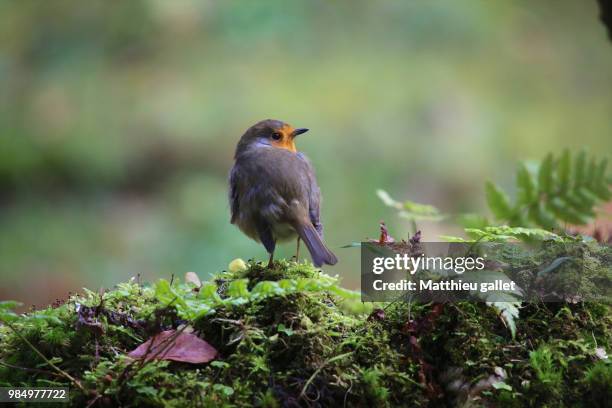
column 118, row 120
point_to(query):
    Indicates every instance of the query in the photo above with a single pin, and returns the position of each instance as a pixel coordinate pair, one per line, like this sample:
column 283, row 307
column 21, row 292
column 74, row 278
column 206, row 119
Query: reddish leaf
column 184, row 347
column 377, row 314
column 385, row 238
column 416, row 238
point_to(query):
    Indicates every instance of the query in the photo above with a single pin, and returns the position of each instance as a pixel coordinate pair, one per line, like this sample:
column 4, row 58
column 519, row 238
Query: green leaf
column 43, row 315
column 472, row 221
column 566, row 213
column 500, row 385
column 387, row 200
column 573, row 200
column 9, row 304
column 410, row 209
column 238, row 288
column 163, row 291
column 601, row 169
column 282, row 329
column 587, row 196
column 267, row 288
column 509, row 312
column 7, row 316
column 523, row 233
column 420, row 212
column 482, row 235
column 545, row 174
column 208, row 292
column 450, row 238
column 223, row 389
column 421, row 217
column 287, row 284
column 579, row 169
column 601, row 186
column 420, row 209
column 498, row 201
column 591, row 173
column 564, row 168
column 526, row 185
column 219, row 364
column 346, row 294
column 540, row 216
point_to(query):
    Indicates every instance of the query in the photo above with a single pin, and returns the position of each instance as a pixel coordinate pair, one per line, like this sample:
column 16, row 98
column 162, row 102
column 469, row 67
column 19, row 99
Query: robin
column 274, row 194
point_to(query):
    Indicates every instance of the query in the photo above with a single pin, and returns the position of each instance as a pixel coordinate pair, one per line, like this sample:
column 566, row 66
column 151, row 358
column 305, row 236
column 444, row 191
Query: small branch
column 34, row 370
column 318, row 370
column 49, row 362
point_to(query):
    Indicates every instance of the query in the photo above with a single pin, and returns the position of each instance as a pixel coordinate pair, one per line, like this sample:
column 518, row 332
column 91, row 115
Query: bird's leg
column 271, row 261
column 297, row 251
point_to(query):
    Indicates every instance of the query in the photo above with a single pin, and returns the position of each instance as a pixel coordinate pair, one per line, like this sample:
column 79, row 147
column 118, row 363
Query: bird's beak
column 299, row 131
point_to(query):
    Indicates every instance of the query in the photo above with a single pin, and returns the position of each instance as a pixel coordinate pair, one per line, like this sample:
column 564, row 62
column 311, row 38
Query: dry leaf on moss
column 184, row 347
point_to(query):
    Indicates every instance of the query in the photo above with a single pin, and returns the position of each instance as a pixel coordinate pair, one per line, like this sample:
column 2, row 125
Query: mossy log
column 313, row 345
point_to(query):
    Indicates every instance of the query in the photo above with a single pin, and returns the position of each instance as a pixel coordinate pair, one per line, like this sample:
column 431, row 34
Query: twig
column 125, row 376
column 347, row 393
column 49, row 362
column 318, row 370
column 93, row 401
column 34, row 370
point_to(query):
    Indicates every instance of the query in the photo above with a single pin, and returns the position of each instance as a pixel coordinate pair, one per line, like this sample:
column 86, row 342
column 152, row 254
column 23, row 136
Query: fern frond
column 562, row 191
column 411, row 210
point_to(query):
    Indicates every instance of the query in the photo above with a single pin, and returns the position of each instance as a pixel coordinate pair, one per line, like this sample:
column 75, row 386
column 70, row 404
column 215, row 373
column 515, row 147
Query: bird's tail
column 318, row 251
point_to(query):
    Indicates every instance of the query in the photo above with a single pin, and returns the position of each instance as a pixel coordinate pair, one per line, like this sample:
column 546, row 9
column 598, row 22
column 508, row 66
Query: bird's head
column 270, row 132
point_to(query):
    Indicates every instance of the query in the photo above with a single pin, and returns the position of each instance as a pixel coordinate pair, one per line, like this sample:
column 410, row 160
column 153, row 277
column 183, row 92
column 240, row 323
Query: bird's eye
column 277, row 136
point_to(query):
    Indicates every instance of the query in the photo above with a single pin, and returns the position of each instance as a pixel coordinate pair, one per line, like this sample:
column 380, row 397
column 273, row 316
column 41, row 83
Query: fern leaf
column 388, row 200
column 509, row 312
column 566, row 213
column 540, row 216
column 566, row 191
column 578, row 204
column 498, row 201
column 579, row 169
column 545, row 175
column 564, row 168
column 601, row 171
column 470, row 220
column 601, row 186
column 591, row 174
column 526, row 185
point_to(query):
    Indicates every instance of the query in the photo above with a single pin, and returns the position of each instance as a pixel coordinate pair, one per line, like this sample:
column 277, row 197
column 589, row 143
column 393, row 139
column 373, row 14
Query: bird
column 273, row 191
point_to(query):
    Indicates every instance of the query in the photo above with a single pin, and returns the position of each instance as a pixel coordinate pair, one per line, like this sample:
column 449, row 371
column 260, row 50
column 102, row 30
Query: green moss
column 548, row 371
column 286, row 337
column 598, row 381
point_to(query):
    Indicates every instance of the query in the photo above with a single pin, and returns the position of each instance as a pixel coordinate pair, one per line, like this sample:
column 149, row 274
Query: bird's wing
column 234, row 198
column 314, row 195
column 314, row 206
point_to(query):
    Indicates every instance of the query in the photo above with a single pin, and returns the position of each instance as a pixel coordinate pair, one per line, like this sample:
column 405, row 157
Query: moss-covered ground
column 291, row 337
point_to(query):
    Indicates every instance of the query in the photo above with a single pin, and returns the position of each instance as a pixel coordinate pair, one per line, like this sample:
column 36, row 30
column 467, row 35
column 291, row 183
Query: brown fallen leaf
column 184, row 347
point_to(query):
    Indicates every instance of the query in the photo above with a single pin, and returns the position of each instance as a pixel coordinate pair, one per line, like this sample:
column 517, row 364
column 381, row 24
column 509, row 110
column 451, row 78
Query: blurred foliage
column 559, row 193
column 563, row 191
column 118, row 121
